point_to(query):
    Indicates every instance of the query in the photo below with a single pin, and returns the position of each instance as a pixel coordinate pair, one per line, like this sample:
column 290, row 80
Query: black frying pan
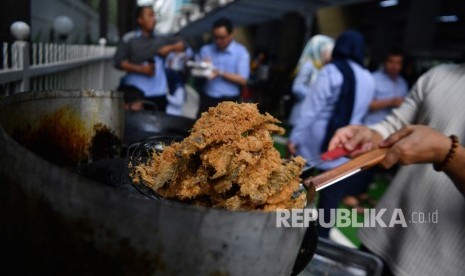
column 141, row 151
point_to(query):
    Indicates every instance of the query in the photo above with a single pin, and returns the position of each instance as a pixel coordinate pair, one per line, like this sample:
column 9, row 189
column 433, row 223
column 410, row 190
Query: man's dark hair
column 139, row 10
column 224, row 22
column 394, row 52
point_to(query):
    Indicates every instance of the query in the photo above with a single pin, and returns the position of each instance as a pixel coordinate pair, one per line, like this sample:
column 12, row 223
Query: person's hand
column 291, row 148
column 415, row 144
column 355, row 138
column 396, row 102
column 147, row 69
column 215, row 73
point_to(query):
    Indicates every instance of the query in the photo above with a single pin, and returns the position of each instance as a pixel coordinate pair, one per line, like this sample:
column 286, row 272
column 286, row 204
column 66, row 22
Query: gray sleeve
column 167, row 40
column 122, row 53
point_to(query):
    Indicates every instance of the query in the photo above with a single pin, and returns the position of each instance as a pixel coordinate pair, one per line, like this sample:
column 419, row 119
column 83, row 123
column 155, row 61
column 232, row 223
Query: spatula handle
column 361, row 162
column 334, row 154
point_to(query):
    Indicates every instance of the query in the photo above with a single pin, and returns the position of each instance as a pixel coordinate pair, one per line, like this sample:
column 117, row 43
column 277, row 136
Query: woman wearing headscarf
column 315, row 55
column 341, row 95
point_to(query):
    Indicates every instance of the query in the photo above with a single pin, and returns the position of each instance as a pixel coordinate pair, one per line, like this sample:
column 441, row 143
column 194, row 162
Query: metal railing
column 42, row 66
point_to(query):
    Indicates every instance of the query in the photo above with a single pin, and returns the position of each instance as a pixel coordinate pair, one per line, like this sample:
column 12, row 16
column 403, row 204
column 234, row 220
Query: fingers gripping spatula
column 351, row 167
column 320, row 159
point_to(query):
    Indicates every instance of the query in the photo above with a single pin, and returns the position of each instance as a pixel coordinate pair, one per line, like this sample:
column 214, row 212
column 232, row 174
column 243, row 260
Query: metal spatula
column 330, row 177
column 356, row 165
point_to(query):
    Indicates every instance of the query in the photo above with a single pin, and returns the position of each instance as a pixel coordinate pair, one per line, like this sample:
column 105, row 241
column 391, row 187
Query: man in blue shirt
column 231, row 63
column 141, row 54
column 391, row 88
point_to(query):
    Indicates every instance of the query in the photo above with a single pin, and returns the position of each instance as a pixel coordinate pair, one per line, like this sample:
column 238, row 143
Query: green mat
column 375, row 191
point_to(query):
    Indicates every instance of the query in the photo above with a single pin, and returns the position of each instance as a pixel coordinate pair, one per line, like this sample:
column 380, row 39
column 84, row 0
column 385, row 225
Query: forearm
column 399, row 118
column 175, row 47
column 381, row 104
column 234, row 78
column 130, row 67
column 455, row 170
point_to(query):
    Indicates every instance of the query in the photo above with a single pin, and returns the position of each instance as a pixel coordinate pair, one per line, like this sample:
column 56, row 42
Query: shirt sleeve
column 322, row 92
column 168, row 40
column 301, row 84
column 120, row 54
column 244, row 65
column 204, row 53
column 404, row 87
column 406, row 113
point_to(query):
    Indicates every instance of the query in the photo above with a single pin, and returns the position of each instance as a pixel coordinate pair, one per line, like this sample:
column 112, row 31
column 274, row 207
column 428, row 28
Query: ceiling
column 251, row 12
column 415, row 26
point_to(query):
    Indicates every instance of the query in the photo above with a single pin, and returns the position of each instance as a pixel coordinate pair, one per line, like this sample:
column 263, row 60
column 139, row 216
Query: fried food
column 228, row 161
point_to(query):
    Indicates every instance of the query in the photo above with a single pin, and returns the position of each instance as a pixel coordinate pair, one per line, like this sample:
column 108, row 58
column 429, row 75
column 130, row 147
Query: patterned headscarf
column 317, row 47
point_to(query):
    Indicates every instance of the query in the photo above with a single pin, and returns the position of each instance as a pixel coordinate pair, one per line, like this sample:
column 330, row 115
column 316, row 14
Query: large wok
column 55, row 221
column 103, row 172
column 115, row 173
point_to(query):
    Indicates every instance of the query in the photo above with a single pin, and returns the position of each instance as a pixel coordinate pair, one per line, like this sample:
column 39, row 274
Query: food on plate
column 228, row 161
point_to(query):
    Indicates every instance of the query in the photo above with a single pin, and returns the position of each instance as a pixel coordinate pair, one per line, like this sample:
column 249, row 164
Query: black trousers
column 160, row 102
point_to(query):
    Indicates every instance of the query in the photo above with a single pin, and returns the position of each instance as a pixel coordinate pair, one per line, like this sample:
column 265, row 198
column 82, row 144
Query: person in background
column 141, row 54
column 176, row 74
column 259, row 67
column 391, row 89
column 433, row 248
column 316, row 54
column 231, row 63
column 341, row 95
column 133, row 98
column 259, row 75
column 259, row 60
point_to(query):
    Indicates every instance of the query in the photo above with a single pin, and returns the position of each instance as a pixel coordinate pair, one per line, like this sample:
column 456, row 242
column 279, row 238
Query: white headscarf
column 317, row 48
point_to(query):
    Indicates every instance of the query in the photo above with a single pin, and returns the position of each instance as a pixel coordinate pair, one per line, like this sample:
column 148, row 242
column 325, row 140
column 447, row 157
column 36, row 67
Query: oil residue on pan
column 104, row 144
column 60, row 137
column 63, row 139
